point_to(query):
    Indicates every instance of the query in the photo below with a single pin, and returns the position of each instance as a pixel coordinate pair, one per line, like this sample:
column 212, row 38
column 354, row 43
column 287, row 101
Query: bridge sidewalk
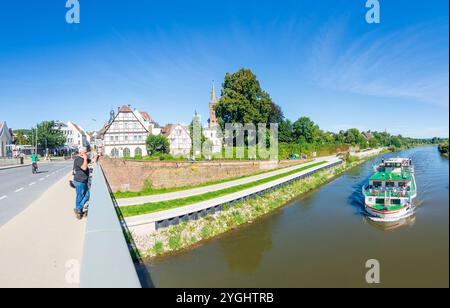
column 43, row 245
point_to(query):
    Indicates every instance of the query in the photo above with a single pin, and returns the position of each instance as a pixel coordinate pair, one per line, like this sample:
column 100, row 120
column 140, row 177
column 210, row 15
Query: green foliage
column 286, row 131
column 443, row 148
column 244, row 101
column 351, row 159
column 196, row 124
column 306, row 130
column 175, row 242
column 206, row 232
column 157, row 145
column 47, row 135
column 158, row 248
column 22, row 137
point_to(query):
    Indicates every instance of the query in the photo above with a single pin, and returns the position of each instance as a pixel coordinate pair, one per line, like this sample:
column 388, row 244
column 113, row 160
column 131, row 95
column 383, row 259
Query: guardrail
column 107, row 261
column 152, row 222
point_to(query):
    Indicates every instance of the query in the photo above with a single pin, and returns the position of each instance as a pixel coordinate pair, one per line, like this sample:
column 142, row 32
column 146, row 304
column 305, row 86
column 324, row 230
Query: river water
column 322, row 239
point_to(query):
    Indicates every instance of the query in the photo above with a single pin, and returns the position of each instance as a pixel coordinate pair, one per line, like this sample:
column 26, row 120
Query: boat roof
column 391, row 176
column 396, row 160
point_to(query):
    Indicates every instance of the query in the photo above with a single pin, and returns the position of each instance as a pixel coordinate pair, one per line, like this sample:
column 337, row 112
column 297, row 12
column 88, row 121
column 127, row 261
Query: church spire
column 213, row 93
column 212, row 108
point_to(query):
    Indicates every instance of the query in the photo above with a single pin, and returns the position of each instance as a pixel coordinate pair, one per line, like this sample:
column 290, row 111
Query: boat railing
column 384, row 192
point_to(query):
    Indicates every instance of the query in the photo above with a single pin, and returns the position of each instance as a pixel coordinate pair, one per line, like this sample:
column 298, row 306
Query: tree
column 286, row 131
column 157, row 145
column 244, row 101
column 21, row 137
column 197, row 124
column 306, row 130
column 354, row 137
column 276, row 114
column 47, row 135
column 396, row 141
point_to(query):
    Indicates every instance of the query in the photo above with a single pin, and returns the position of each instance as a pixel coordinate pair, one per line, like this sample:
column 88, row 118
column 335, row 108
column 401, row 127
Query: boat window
column 377, row 184
column 390, row 184
column 395, row 201
column 380, row 201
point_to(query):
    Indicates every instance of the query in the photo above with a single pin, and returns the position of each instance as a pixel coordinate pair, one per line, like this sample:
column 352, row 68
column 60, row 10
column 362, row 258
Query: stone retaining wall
column 132, row 176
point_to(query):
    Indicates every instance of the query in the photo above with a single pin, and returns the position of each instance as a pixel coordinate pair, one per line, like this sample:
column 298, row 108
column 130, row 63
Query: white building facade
column 75, row 136
column 6, row 140
column 126, row 133
column 179, row 139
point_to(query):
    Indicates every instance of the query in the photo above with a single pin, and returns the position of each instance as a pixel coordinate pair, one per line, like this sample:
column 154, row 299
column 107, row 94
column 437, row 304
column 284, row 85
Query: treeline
column 244, row 101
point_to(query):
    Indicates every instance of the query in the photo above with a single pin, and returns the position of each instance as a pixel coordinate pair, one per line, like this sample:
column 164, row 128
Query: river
column 322, row 239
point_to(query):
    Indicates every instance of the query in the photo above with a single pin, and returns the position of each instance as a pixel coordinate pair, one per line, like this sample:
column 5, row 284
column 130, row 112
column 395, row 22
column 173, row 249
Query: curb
column 15, row 166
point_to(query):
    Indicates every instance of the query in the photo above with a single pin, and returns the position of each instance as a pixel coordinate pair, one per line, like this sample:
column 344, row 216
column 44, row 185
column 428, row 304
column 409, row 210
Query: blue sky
column 316, row 58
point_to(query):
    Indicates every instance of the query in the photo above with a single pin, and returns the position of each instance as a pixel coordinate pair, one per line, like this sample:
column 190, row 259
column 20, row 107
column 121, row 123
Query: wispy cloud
column 408, row 64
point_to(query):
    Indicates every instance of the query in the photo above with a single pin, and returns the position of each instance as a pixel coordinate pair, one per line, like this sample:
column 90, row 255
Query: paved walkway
column 216, row 187
column 143, row 224
column 42, row 246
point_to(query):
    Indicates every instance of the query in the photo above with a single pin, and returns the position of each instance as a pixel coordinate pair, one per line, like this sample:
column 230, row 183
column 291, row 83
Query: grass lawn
column 148, row 208
column 149, row 191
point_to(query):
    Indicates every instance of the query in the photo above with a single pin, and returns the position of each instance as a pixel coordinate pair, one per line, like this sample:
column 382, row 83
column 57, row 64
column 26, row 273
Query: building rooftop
column 125, row 109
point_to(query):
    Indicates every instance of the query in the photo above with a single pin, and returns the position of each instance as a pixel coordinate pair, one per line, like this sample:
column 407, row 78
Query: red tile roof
column 125, row 109
column 146, row 116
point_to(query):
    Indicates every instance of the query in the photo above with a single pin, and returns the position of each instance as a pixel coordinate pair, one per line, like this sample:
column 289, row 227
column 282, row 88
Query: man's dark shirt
column 81, row 176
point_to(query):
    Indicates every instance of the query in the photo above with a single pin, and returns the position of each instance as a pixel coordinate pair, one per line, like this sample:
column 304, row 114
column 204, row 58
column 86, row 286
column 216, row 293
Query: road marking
column 41, row 179
column 3, row 197
column 19, row 190
column 31, row 184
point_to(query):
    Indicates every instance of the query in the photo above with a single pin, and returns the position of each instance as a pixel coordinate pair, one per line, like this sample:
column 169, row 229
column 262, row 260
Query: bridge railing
column 107, row 262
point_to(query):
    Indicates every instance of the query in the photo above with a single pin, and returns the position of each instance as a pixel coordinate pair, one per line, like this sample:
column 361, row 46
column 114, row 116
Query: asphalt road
column 19, row 187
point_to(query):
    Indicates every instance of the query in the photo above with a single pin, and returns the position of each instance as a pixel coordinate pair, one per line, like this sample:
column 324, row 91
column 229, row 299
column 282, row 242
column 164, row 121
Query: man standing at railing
column 81, row 180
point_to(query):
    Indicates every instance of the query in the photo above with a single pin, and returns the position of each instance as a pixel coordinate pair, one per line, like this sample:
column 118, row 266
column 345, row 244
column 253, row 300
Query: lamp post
column 36, row 150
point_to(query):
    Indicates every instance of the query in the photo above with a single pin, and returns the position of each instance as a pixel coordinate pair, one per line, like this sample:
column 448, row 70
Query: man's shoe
column 78, row 214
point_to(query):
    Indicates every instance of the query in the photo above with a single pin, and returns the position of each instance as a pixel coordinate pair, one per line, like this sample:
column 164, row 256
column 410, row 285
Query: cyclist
column 34, row 161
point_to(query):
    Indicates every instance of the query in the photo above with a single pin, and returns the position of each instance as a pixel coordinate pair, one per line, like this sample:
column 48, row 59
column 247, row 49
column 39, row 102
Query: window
column 396, row 202
column 377, row 184
column 114, row 153
column 126, row 152
column 138, row 152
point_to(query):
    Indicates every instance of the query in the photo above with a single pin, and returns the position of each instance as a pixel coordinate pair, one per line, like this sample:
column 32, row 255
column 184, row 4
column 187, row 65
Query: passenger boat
column 391, row 191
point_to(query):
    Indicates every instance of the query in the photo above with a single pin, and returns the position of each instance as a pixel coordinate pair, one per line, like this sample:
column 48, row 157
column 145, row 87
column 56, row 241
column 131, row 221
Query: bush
column 158, row 248
column 175, row 242
column 157, row 145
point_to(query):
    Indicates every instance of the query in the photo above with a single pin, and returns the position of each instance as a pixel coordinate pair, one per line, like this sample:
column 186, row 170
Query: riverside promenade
column 42, row 246
column 147, row 223
column 216, row 187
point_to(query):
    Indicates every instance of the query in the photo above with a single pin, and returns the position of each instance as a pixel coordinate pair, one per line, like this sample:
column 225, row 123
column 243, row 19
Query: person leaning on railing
column 81, row 172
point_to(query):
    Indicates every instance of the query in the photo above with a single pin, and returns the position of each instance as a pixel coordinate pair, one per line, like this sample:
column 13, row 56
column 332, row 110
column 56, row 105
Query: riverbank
column 192, row 233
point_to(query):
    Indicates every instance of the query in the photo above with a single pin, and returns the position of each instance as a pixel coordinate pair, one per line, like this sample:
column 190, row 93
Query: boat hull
column 378, row 215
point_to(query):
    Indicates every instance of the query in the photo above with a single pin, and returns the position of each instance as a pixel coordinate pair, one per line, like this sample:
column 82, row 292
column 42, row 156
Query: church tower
column 212, row 108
